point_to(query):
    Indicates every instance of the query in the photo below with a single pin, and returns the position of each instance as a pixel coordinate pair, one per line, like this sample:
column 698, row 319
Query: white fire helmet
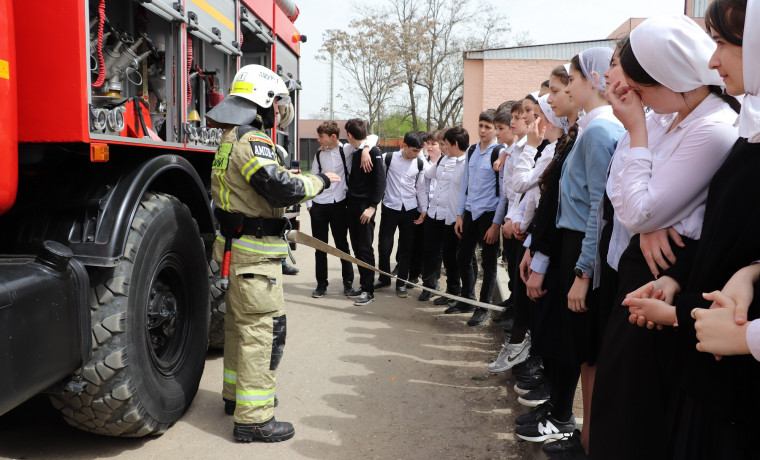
column 253, row 91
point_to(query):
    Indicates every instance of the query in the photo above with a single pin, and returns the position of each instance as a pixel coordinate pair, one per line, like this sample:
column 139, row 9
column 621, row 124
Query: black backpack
column 389, row 157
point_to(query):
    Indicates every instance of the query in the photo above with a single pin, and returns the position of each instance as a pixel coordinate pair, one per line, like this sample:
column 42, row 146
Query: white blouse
column 666, row 184
column 448, row 177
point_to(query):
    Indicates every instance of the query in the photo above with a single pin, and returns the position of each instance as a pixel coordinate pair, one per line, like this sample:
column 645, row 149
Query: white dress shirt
column 514, row 152
column 404, row 185
column 330, row 161
column 666, row 184
column 448, row 178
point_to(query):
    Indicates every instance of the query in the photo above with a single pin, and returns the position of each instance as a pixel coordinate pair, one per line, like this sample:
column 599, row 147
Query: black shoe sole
column 246, row 438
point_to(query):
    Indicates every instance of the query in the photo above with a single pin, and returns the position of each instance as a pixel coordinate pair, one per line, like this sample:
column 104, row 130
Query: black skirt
column 561, row 333
column 634, row 376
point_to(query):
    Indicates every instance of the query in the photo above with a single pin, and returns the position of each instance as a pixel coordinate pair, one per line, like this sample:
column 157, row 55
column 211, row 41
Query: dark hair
column 726, row 18
column 507, row 105
column 503, row 116
column 357, row 128
column 329, row 128
column 531, row 98
column 457, row 136
column 561, row 73
column 576, row 63
column 517, row 108
column 545, row 83
column 415, row 139
column 487, row 115
column 633, row 69
column 564, row 146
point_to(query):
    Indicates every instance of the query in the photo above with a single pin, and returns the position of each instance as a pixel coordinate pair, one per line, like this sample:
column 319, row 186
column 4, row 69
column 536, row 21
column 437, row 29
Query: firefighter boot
column 270, row 431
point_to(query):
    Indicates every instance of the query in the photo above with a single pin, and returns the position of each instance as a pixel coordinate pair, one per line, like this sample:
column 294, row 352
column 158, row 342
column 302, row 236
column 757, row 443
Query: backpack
column 494, row 156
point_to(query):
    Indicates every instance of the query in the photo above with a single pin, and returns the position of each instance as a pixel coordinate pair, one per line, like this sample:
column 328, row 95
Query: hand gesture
column 536, row 132
column 657, row 250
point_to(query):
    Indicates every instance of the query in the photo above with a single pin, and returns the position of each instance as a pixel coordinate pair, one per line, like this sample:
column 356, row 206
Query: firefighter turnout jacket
column 247, row 178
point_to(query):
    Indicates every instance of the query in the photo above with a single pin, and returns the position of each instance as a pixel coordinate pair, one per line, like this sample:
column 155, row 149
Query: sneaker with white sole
column 510, row 355
column 364, row 298
column 535, row 397
column 523, row 387
column 546, row 428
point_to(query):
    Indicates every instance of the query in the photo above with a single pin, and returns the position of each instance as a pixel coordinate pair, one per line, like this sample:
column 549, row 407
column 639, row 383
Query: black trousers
column 433, row 231
column 331, row 216
column 418, row 248
column 473, row 232
column 404, row 221
column 362, row 237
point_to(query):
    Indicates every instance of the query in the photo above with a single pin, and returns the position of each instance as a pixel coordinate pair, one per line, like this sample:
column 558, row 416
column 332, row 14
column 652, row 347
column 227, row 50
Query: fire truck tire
column 150, row 317
column 216, row 296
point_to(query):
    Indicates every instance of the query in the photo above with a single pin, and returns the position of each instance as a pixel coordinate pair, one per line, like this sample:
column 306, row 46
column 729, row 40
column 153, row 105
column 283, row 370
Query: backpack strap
column 495, row 156
column 438, row 163
column 343, row 159
column 388, row 158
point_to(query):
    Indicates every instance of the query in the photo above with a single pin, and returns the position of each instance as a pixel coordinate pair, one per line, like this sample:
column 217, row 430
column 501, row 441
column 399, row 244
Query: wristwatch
column 580, row 274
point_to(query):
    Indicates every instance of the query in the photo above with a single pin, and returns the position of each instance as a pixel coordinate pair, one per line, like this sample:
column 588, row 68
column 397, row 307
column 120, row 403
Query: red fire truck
column 105, row 216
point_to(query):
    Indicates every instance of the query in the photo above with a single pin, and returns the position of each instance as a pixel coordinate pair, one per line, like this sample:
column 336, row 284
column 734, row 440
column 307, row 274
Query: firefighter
column 251, row 189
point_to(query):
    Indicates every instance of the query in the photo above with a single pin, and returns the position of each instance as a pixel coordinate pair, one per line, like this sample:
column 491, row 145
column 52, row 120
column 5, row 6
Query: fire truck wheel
column 150, row 317
column 216, row 296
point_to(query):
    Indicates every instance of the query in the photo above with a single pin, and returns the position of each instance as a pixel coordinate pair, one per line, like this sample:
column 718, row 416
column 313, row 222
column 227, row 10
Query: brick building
column 493, row 76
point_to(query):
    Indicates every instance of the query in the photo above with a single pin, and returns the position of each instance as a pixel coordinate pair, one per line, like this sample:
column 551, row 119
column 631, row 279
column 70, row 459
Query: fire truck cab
column 106, row 223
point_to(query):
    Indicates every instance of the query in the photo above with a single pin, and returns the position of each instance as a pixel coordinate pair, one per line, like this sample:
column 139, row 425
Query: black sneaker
column 505, row 315
column 351, row 292
column 523, row 387
column 459, row 307
column 479, row 316
column 270, row 431
column 540, row 412
column 381, row 284
column 319, row 292
column 440, row 301
column 529, row 369
column 565, row 447
column 364, row 299
column 229, row 405
column 424, row 296
column 546, row 428
column 401, row 291
column 536, row 396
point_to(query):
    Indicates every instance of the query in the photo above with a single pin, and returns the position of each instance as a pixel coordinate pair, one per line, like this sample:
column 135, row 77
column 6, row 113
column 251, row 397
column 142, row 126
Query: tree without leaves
column 367, row 62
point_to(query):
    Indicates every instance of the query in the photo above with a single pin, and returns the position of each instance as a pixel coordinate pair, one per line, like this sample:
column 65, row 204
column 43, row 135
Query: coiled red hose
column 101, row 62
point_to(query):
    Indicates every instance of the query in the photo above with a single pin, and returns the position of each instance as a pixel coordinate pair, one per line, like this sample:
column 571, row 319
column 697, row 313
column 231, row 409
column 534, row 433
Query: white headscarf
column 594, row 62
column 749, row 118
column 548, row 112
column 675, row 51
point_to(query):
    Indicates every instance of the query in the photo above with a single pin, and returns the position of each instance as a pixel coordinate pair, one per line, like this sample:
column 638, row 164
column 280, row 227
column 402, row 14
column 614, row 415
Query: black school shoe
column 269, row 431
column 319, row 292
column 288, row 269
column 479, row 316
column 546, row 428
column 565, row 447
column 424, row 296
column 441, row 301
column 459, row 307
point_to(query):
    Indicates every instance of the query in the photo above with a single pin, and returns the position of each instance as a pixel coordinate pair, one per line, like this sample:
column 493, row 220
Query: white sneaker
column 510, row 355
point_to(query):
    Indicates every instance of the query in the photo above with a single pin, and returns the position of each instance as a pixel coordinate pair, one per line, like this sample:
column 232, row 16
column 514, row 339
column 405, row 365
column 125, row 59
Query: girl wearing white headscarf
column 714, row 411
column 659, row 179
column 572, row 308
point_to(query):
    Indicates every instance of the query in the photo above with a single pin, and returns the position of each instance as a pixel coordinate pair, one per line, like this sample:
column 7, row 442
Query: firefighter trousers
column 254, row 338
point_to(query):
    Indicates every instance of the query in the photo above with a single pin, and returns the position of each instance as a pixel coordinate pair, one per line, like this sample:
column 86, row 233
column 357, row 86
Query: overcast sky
column 562, row 21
